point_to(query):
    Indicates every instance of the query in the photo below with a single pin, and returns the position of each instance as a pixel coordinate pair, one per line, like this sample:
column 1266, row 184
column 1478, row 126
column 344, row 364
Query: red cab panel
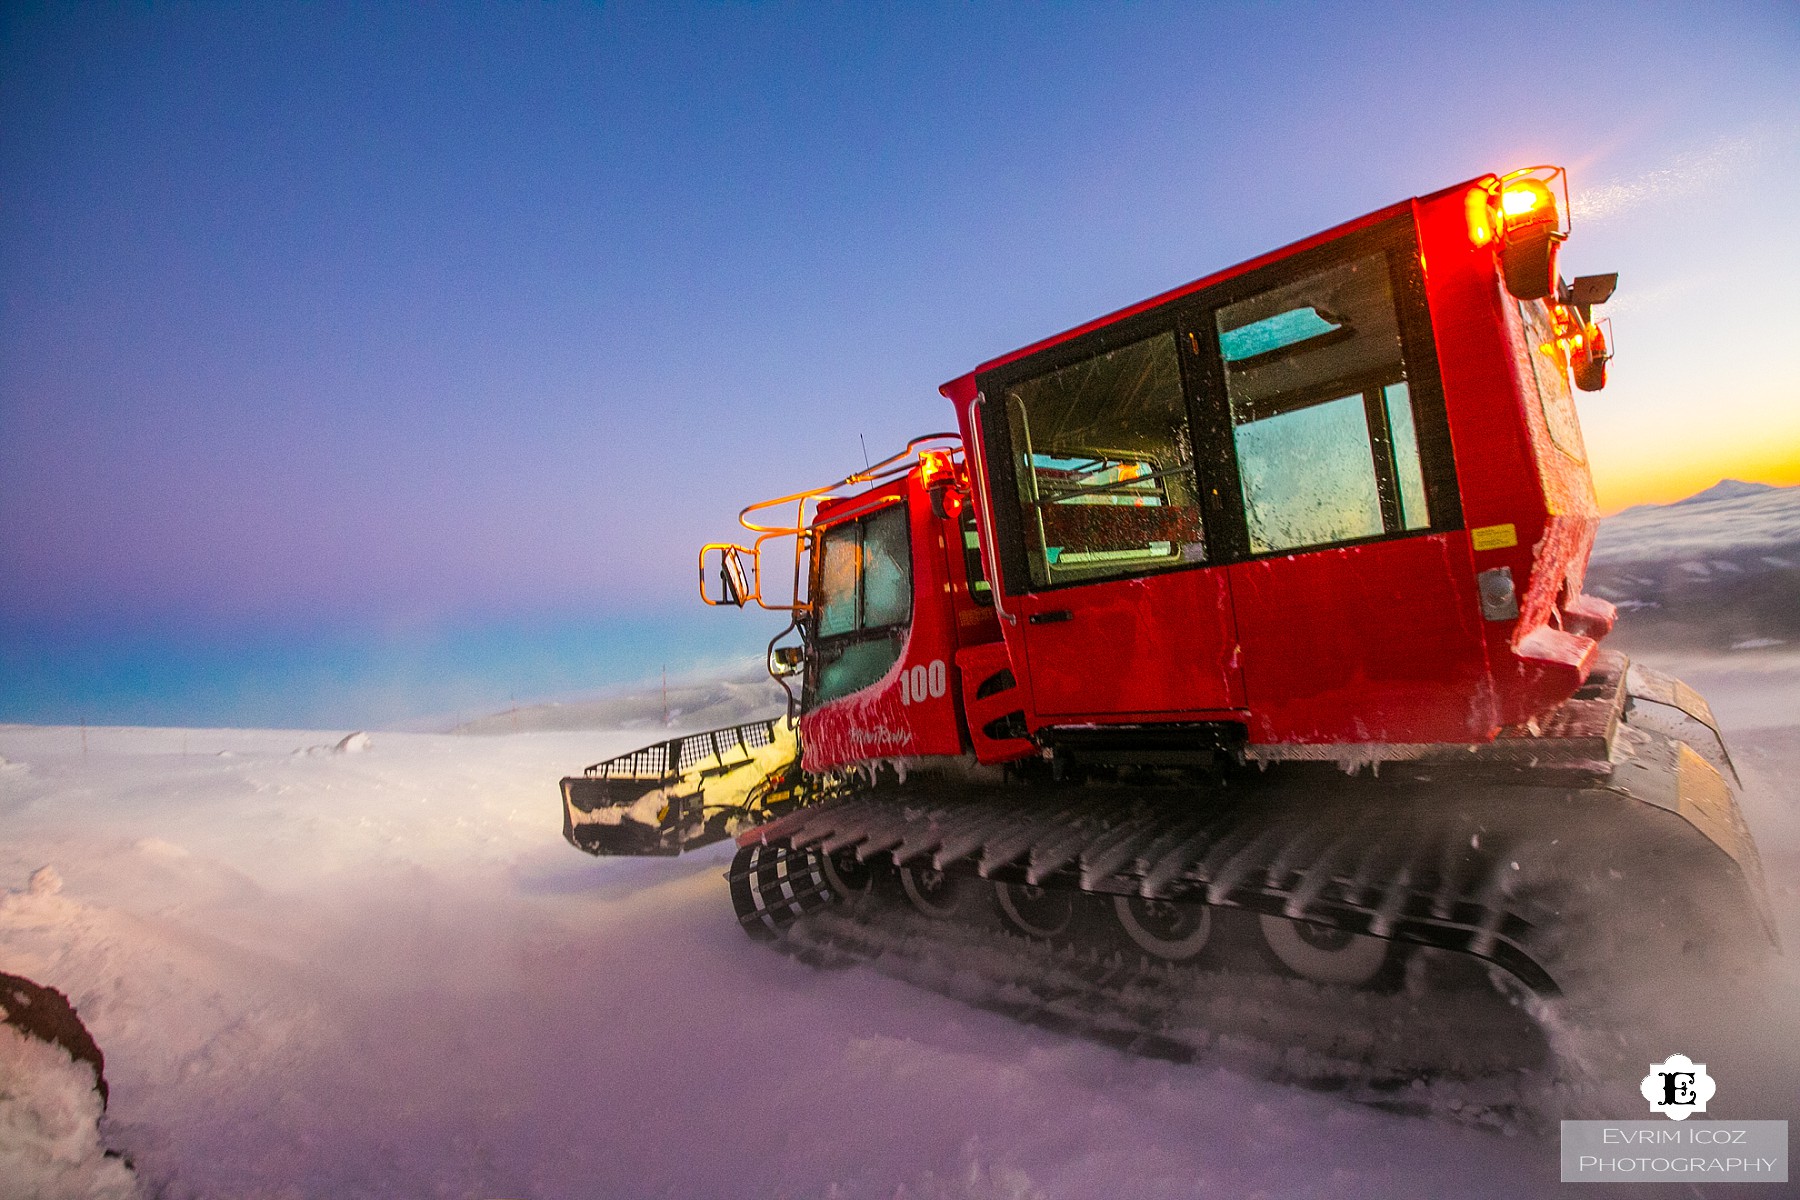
column 1156, row 644
column 1376, row 643
column 884, row 633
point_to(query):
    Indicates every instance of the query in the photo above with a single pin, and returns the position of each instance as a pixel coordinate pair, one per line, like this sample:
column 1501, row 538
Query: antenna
column 865, row 446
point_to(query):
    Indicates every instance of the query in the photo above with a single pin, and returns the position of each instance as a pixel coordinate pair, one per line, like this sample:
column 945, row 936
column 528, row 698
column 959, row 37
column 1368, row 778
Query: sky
column 362, row 363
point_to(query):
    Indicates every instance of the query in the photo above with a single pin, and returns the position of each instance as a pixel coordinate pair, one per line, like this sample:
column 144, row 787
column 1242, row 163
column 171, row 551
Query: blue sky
column 359, row 362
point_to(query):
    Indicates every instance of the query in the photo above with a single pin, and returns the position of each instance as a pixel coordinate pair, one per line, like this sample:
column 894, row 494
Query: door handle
column 1051, row 617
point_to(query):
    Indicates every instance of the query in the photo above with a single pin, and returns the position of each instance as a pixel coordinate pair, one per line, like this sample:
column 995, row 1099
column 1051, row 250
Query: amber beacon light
column 1519, row 211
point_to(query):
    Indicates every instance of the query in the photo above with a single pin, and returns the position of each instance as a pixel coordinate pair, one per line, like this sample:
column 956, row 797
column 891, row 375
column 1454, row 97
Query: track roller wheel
column 1034, row 911
column 1163, row 929
column 933, row 893
column 846, row 875
column 1323, row 954
column 773, row 885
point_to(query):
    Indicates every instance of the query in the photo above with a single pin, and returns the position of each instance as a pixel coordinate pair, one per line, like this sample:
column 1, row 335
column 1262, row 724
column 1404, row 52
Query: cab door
column 1122, row 611
column 1354, row 596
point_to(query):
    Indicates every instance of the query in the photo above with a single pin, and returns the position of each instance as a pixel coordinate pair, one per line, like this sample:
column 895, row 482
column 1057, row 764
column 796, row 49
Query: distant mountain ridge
column 1728, row 489
column 1725, row 489
column 683, row 706
column 1717, row 571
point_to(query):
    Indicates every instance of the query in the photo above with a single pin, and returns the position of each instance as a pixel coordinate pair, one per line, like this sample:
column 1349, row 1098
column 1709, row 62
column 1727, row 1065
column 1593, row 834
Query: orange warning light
column 1526, row 202
column 935, row 465
column 1477, row 206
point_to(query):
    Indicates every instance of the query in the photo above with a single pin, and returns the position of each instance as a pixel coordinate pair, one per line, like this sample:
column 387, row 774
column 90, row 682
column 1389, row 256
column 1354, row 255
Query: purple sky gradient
column 398, row 318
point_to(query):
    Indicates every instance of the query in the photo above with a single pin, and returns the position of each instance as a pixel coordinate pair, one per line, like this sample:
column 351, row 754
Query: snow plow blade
column 683, row 793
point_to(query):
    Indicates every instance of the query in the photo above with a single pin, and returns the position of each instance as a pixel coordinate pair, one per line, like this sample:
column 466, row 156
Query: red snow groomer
column 1259, row 599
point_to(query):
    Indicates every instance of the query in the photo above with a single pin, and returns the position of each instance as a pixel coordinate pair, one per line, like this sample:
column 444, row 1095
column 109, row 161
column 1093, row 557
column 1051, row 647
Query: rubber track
column 1484, row 1066
column 1409, row 869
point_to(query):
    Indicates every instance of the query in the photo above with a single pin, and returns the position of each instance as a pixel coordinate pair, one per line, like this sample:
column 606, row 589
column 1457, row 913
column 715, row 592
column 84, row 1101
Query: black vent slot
column 1000, row 681
column 1172, row 744
column 1011, row 726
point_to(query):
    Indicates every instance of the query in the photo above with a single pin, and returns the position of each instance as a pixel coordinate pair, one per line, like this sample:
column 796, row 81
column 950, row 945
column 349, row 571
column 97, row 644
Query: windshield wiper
column 1116, row 485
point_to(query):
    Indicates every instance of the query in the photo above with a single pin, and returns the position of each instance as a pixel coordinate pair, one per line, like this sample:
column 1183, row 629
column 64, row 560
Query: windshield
column 862, row 601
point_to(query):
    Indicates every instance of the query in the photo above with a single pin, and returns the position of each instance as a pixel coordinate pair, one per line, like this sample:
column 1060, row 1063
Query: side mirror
column 1589, row 290
column 786, row 661
column 725, row 565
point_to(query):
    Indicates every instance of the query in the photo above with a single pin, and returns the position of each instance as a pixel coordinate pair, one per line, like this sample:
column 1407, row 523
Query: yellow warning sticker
column 1494, row 537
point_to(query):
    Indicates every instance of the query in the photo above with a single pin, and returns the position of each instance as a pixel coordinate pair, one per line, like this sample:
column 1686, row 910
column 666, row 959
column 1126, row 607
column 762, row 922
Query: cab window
column 1321, row 412
column 862, row 601
column 980, row 590
column 1104, row 466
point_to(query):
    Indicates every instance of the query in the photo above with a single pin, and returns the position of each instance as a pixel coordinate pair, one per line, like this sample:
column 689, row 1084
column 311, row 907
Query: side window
column 886, row 573
column 1409, row 471
column 980, row 590
column 862, row 601
column 1105, row 466
column 837, row 580
column 1321, row 415
column 1550, row 369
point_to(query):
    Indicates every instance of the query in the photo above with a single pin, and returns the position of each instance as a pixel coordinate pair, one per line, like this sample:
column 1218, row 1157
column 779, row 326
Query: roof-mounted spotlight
column 1591, row 347
column 1529, row 226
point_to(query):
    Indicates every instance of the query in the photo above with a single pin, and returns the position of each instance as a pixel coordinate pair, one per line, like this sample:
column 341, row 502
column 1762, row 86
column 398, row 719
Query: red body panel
column 1509, row 469
column 1373, row 643
column 1157, row 644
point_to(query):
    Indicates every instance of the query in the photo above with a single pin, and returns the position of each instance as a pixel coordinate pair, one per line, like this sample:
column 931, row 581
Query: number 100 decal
column 923, row 683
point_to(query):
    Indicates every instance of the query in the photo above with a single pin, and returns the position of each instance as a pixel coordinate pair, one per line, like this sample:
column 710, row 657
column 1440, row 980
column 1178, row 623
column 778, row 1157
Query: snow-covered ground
column 383, row 973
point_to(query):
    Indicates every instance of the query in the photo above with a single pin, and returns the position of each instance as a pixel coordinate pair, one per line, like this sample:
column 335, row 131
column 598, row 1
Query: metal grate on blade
column 664, row 760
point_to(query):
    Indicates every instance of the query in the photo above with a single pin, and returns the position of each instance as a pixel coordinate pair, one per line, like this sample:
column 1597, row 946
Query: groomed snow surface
column 385, row 974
